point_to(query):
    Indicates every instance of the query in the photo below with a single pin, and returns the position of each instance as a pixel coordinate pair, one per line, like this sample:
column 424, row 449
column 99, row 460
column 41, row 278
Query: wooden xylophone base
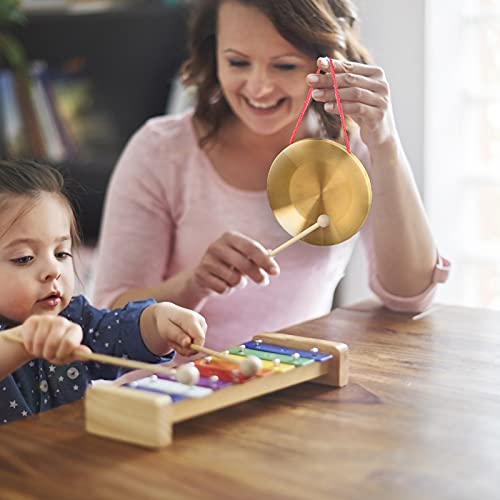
column 146, row 418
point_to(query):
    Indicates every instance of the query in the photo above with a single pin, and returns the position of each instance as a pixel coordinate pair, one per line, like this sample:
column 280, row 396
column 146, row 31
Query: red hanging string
column 302, row 112
column 339, row 105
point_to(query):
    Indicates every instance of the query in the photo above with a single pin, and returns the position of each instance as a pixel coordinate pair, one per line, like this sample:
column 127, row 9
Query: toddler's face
column 36, row 267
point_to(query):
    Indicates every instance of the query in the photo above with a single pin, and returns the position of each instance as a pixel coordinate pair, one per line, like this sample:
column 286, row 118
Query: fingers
column 222, row 272
column 358, row 95
column 68, row 343
column 182, row 327
column 363, row 90
column 228, row 265
column 211, row 281
column 180, row 341
column 83, row 349
column 177, row 338
column 360, row 112
column 350, row 67
column 347, row 81
column 355, row 102
column 52, row 338
column 246, row 256
column 232, row 258
column 29, row 331
column 193, row 325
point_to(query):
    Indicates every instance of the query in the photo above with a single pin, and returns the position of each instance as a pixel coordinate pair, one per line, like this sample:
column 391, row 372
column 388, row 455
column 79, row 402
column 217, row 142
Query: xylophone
column 144, row 412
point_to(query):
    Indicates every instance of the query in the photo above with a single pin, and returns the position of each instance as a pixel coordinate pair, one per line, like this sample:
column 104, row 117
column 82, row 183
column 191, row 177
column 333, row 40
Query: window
column 462, row 157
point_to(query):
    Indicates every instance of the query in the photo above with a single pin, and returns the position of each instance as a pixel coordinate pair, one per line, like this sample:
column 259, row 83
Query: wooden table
column 420, row 419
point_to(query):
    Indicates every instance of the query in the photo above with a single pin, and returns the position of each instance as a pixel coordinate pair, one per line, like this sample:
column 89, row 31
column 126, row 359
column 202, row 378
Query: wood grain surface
column 420, row 419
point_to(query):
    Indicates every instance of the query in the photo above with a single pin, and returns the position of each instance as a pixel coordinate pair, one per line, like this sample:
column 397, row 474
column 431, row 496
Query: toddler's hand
column 180, row 327
column 52, row 338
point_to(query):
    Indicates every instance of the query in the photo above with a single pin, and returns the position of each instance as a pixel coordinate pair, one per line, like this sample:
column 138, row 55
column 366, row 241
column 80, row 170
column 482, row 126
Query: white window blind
column 462, row 157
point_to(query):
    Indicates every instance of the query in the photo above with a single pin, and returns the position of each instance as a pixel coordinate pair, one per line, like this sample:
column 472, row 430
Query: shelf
column 133, row 55
column 62, row 8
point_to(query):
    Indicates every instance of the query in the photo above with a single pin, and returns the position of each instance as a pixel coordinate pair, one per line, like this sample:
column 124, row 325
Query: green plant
column 10, row 48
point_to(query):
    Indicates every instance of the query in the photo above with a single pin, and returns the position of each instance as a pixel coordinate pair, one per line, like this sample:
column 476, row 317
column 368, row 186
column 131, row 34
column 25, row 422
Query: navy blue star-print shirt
column 39, row 385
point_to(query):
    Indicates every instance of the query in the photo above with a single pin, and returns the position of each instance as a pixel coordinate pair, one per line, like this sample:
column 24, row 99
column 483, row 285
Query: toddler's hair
column 29, row 179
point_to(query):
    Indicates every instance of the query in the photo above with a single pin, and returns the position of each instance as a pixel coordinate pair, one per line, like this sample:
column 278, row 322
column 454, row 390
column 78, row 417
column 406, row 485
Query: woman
column 187, row 218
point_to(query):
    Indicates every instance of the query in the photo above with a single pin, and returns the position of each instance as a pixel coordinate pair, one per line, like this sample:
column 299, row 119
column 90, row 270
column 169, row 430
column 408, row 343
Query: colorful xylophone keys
column 144, row 411
column 216, row 373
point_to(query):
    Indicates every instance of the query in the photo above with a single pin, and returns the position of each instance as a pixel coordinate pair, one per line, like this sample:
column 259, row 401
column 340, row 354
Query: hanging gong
column 318, row 176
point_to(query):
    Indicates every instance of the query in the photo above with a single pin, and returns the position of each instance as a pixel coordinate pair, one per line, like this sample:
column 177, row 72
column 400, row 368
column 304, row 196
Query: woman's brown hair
column 315, row 27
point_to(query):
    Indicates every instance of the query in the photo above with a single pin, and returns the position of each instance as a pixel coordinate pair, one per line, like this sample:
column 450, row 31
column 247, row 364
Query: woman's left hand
column 364, row 95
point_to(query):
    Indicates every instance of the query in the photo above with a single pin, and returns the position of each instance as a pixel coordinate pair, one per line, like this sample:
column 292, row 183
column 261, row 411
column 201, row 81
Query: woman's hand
column 364, row 95
column 53, row 338
column 229, row 260
column 178, row 327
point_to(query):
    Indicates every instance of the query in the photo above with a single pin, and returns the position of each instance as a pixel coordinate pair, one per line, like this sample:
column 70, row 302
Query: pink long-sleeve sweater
column 166, row 204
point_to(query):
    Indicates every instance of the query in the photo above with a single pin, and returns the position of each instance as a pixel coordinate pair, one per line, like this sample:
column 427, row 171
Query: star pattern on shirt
column 40, row 385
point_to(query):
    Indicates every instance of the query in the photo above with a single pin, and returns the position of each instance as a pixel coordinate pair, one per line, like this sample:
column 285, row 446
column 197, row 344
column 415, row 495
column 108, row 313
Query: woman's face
column 261, row 74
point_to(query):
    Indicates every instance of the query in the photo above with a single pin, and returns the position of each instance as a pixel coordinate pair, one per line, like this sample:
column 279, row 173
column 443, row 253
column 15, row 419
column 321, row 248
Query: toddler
column 37, row 235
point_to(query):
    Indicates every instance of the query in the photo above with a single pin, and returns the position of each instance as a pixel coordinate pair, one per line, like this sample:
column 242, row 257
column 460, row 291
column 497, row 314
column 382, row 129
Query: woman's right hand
column 229, row 260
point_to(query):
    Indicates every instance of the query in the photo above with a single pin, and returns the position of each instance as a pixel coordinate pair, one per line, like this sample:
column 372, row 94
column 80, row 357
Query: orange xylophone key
column 225, row 370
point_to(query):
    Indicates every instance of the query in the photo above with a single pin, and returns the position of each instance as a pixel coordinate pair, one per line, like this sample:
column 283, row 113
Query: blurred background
column 97, row 69
column 442, row 60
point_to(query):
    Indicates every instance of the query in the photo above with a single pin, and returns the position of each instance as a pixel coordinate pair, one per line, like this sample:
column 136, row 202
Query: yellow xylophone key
column 269, row 365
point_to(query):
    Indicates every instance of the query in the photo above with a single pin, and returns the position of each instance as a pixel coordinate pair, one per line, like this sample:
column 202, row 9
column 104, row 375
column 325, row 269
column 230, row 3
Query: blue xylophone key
column 178, row 397
column 174, row 397
column 277, row 349
column 171, row 388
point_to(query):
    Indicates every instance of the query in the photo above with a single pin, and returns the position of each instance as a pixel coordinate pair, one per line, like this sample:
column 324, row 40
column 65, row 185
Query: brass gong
column 318, row 176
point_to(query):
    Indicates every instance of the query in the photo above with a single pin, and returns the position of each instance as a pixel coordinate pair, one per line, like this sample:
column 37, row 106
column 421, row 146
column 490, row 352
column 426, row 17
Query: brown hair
column 315, row 27
column 29, row 179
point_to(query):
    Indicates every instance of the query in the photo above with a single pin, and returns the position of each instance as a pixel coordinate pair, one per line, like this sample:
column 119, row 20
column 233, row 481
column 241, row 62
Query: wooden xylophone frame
column 146, row 418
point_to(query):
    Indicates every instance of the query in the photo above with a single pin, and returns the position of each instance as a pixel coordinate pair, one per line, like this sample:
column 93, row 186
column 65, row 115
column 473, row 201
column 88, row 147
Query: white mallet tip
column 187, row 374
column 250, row 366
column 323, row 220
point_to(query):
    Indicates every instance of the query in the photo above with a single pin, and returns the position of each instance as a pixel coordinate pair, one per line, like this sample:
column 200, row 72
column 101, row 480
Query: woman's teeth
column 260, row 105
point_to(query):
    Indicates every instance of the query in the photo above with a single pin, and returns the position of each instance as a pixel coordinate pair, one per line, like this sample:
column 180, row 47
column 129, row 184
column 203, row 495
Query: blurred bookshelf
column 97, row 71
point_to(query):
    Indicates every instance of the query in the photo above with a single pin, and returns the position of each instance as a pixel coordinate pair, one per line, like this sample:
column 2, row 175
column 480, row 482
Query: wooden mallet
column 185, row 374
column 322, row 221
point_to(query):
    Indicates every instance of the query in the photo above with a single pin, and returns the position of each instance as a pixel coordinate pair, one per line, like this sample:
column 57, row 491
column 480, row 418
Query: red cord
column 302, row 112
column 339, row 105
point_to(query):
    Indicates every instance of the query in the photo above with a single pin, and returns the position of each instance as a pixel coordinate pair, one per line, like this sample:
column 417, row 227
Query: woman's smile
column 264, row 108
